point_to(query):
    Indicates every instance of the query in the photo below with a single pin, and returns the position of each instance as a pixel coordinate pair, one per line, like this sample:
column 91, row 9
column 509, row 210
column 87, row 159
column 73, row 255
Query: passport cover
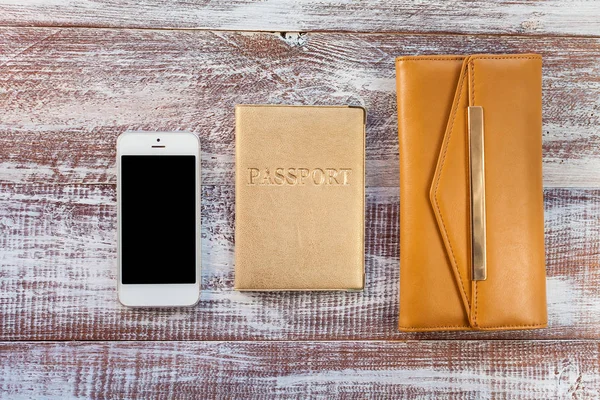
column 299, row 198
column 441, row 285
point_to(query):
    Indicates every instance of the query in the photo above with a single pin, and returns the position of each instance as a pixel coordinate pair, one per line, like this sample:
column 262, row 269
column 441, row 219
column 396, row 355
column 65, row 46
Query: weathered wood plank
column 424, row 370
column 58, row 275
column 578, row 17
column 67, row 93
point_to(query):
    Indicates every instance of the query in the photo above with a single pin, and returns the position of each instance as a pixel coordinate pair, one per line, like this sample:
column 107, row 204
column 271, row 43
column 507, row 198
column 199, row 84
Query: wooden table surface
column 74, row 75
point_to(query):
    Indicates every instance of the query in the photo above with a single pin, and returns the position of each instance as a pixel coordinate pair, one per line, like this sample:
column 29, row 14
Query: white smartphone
column 158, row 216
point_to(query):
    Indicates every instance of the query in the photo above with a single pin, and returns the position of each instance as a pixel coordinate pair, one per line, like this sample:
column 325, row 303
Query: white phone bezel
column 159, row 295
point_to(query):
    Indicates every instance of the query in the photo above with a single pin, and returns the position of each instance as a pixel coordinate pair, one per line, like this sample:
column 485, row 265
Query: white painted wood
column 59, row 275
column 67, row 94
column 320, row 370
column 556, row 17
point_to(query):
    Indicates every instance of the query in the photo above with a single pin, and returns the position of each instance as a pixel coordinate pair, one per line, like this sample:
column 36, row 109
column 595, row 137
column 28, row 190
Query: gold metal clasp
column 477, row 183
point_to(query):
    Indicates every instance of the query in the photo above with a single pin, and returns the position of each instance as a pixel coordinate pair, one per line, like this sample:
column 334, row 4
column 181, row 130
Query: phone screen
column 158, row 219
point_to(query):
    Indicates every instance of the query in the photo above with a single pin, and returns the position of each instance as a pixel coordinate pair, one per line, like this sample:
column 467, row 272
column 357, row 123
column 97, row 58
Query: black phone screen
column 158, row 219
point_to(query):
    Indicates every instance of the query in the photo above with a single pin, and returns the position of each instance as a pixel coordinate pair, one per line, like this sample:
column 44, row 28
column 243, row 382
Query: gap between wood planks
column 318, row 31
column 210, row 185
column 320, row 341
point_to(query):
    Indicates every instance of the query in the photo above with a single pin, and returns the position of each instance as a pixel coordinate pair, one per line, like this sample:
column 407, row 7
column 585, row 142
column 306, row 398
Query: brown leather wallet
column 471, row 196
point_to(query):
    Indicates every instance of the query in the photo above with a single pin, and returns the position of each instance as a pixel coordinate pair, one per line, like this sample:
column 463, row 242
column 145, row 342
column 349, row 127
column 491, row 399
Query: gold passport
column 299, row 198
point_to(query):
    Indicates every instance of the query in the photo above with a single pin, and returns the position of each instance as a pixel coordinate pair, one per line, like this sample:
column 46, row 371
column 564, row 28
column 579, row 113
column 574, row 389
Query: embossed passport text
column 299, row 197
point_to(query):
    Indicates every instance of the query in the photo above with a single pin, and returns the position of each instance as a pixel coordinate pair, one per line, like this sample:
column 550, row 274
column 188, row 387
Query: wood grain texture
column 58, row 275
column 321, row 370
column 66, row 94
column 573, row 17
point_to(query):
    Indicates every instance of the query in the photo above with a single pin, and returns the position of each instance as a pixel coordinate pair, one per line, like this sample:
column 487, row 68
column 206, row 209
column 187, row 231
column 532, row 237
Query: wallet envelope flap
column 430, row 296
column 508, row 89
column 449, row 193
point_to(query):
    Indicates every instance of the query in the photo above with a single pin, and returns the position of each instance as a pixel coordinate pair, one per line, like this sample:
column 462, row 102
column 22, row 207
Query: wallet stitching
column 425, row 58
column 475, row 305
column 514, row 326
column 473, row 83
column 542, row 325
column 490, row 57
column 432, row 327
column 462, row 81
column 505, row 58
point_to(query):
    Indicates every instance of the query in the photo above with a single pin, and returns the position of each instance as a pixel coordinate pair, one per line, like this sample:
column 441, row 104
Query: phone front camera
column 158, row 140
